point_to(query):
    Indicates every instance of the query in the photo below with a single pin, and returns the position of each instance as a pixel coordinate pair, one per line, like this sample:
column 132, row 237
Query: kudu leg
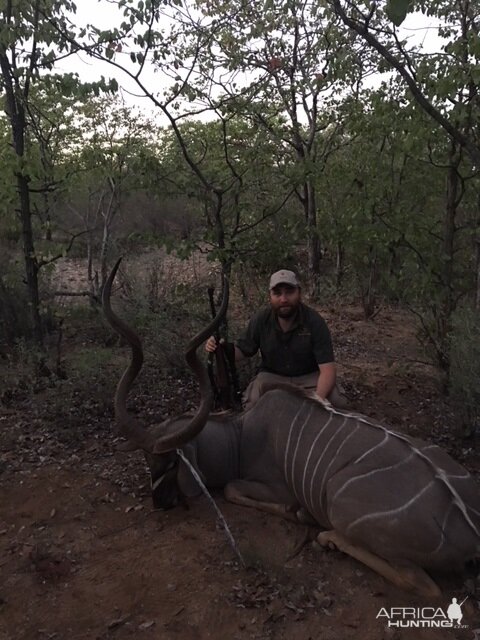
column 248, row 493
column 409, row 578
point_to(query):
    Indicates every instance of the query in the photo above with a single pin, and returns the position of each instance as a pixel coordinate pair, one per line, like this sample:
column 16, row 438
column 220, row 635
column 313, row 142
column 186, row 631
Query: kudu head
column 160, row 441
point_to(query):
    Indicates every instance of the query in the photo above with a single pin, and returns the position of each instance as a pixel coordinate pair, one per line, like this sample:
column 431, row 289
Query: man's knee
column 256, row 387
column 309, row 381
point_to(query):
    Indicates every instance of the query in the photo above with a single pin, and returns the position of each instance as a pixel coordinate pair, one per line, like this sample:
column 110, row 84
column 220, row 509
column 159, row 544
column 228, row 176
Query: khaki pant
column 307, row 381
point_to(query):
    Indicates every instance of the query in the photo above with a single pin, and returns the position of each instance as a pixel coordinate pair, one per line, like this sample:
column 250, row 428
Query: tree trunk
column 477, row 261
column 31, row 264
column 92, row 276
column 477, row 296
column 104, row 251
column 314, row 247
column 449, row 229
column 369, row 287
column 15, row 110
column 48, row 180
column 451, row 205
column 339, row 266
column 108, row 216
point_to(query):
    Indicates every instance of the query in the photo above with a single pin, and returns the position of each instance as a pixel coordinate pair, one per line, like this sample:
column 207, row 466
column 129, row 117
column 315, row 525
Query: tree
column 198, row 56
column 445, row 86
column 270, row 63
column 29, row 46
column 435, row 81
column 236, row 157
column 114, row 157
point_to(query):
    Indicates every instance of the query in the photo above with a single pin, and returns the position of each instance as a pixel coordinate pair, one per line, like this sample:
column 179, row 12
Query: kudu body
column 397, row 504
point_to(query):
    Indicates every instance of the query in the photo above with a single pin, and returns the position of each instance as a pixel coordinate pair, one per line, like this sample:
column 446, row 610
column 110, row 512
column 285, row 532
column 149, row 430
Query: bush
column 87, row 360
column 15, row 307
column 14, row 311
column 164, row 312
column 465, row 366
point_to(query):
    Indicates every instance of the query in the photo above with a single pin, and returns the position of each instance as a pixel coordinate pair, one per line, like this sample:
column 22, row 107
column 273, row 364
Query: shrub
column 465, row 366
column 165, row 313
column 14, row 311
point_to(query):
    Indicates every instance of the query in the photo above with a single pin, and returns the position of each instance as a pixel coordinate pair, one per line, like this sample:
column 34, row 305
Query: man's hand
column 211, row 344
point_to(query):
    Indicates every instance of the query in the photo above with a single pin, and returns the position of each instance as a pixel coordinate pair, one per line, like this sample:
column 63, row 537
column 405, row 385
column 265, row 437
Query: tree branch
column 363, row 31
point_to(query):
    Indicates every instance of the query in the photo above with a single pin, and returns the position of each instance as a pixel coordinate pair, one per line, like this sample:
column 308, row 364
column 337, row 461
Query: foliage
column 277, row 144
column 283, row 66
column 30, row 44
column 465, row 366
column 397, row 10
column 87, row 360
column 444, row 84
column 254, row 206
column 114, row 160
column 399, row 205
column 14, row 322
column 161, row 308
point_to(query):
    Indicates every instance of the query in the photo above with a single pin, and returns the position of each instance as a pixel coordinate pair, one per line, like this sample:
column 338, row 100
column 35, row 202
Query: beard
column 286, row 311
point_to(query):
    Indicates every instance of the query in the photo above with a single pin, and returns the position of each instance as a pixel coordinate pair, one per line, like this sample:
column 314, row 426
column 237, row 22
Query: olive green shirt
column 291, row 353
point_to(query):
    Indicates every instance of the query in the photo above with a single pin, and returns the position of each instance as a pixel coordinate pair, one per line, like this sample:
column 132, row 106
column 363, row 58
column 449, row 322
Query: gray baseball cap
column 283, row 277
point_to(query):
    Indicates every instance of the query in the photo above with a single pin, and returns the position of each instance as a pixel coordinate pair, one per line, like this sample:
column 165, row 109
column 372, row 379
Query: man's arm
column 323, row 352
column 326, row 379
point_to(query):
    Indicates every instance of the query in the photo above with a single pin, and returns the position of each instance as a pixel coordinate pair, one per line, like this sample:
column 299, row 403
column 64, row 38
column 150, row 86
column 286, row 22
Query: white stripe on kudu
column 379, row 444
column 310, row 455
column 314, row 473
column 391, row 512
column 439, row 472
column 371, row 473
column 309, row 415
column 457, row 499
column 442, row 529
column 287, row 447
column 334, row 457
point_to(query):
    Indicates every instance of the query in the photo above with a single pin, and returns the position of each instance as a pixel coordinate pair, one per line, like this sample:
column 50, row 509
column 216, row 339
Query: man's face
column 284, row 300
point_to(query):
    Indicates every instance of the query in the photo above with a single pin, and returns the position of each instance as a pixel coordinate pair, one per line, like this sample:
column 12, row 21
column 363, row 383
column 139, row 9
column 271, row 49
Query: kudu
column 399, row 505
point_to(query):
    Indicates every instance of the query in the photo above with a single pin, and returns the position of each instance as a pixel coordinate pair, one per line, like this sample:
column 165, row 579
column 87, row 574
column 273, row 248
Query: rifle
column 224, row 381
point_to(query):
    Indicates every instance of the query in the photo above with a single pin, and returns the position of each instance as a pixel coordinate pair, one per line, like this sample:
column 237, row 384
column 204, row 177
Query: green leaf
column 397, row 10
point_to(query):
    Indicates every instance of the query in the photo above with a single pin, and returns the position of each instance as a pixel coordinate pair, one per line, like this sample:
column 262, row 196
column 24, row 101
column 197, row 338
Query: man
column 294, row 341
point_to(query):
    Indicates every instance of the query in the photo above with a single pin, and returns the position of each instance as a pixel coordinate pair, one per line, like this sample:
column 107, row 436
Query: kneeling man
column 294, row 342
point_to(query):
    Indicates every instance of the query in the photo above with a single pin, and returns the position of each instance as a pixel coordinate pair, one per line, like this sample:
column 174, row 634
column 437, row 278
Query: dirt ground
column 84, row 556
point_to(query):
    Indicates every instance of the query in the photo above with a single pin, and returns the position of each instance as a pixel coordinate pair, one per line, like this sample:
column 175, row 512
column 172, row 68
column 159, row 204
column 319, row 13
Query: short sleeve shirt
column 292, row 353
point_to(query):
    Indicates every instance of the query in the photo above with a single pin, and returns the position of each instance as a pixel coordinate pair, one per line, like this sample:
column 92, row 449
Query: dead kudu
column 399, row 505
